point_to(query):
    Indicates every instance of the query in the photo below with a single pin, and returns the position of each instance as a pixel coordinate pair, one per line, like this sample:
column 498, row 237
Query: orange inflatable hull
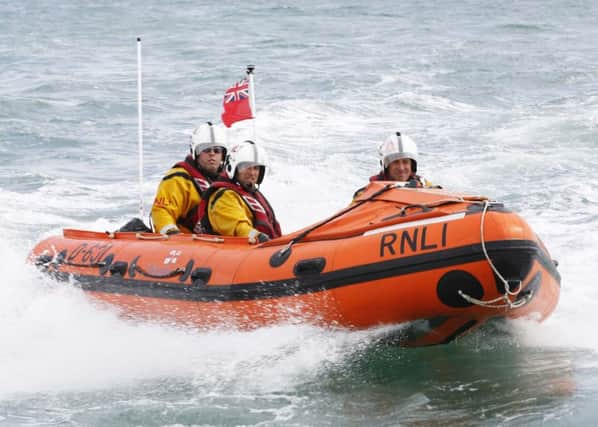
column 439, row 263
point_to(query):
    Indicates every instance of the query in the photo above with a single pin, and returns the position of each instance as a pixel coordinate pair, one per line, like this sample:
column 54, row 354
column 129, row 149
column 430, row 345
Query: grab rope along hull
column 438, row 263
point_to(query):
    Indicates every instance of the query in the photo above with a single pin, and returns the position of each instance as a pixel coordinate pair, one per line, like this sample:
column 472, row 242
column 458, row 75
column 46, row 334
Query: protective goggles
column 215, row 150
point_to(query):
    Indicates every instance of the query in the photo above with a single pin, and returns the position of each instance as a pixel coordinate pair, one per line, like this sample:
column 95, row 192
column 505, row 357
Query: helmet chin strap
column 252, row 188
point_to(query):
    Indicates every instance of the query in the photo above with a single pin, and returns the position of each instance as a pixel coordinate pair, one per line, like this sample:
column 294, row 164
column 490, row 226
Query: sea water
column 501, row 97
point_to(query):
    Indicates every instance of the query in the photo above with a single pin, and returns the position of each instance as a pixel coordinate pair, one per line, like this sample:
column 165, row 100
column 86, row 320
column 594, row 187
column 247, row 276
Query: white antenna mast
column 250, row 69
column 140, row 127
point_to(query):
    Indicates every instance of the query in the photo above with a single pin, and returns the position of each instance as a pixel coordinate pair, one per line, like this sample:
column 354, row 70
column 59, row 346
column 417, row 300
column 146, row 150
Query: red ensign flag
column 236, row 104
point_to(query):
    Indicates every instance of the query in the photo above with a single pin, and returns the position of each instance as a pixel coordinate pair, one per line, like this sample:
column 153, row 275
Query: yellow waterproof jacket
column 228, row 213
column 177, row 198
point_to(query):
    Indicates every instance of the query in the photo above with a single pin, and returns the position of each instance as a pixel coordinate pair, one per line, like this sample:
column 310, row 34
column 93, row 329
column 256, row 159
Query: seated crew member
column 398, row 162
column 233, row 205
column 179, row 193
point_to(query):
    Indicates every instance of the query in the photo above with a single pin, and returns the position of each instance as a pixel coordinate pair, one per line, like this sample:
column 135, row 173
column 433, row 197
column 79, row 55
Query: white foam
column 52, row 337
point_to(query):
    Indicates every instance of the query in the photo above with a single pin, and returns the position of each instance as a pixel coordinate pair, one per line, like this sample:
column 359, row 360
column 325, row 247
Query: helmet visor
column 245, row 165
column 213, row 149
column 199, row 148
column 388, row 159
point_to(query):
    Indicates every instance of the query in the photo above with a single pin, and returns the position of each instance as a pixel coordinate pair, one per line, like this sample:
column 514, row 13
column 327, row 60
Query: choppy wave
column 500, row 102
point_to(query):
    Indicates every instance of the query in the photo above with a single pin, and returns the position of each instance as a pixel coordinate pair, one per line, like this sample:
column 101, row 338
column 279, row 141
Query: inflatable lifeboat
column 438, row 264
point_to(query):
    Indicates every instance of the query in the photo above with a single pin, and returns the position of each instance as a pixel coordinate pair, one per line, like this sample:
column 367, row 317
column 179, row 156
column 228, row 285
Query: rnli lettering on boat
column 415, row 240
column 414, row 236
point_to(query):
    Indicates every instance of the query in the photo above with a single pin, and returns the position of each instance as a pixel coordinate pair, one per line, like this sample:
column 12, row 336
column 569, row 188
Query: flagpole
column 140, row 127
column 250, row 69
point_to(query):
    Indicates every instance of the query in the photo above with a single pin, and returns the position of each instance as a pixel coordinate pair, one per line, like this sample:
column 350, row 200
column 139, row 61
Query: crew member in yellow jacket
column 179, row 193
column 233, row 205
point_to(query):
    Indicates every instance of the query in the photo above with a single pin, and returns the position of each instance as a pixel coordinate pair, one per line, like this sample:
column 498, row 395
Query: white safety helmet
column 397, row 146
column 205, row 136
column 246, row 154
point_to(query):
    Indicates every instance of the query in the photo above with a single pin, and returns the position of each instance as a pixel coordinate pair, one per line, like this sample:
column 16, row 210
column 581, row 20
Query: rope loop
column 496, row 302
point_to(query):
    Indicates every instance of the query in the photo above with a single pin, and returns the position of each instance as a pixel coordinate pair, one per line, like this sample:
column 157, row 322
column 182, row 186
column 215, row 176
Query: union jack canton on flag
column 236, row 103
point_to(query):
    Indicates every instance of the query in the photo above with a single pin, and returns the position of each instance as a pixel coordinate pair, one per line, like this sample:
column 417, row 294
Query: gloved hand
column 257, row 237
column 173, row 231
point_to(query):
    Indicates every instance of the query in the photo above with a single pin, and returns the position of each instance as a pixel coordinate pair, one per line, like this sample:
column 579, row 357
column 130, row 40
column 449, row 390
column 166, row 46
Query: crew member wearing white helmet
column 181, row 189
column 233, row 205
column 398, row 162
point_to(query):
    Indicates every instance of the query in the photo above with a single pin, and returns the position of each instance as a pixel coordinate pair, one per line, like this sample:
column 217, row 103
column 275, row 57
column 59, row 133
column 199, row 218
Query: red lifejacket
column 415, row 181
column 200, row 182
column 264, row 219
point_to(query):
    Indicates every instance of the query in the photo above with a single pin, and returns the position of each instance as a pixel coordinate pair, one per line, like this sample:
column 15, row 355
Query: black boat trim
column 199, row 291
